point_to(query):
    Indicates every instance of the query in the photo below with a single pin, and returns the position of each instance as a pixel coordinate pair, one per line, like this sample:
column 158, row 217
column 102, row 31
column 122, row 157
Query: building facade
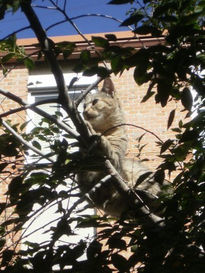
column 148, row 119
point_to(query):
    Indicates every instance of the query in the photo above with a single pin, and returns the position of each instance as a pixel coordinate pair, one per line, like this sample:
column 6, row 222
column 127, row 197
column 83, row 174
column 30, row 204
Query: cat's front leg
column 90, row 128
column 110, row 151
column 104, row 147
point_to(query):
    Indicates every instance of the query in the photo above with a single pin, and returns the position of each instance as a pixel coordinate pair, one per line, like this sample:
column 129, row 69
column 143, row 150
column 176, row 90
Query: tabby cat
column 103, row 114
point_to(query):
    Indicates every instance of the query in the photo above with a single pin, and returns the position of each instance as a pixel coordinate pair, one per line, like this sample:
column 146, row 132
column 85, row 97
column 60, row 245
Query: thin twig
column 136, row 126
column 42, row 113
column 88, row 15
column 90, row 87
column 13, row 33
column 27, row 144
column 77, row 29
column 29, row 106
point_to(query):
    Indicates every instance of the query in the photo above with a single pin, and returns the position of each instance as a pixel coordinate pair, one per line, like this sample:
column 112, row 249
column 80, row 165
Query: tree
column 172, row 70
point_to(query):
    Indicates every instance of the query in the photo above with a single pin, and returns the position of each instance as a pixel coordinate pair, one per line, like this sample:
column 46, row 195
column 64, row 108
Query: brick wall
column 16, row 83
column 148, row 115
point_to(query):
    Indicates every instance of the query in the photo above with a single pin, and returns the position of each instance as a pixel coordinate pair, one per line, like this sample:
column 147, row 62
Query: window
column 40, row 88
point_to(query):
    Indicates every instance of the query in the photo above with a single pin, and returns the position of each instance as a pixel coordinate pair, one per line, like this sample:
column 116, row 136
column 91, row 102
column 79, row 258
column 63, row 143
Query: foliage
column 173, row 68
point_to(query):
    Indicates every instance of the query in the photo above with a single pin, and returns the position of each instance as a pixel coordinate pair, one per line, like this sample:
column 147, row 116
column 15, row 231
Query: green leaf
column 29, row 63
column 23, row 125
column 85, row 56
column 7, row 57
column 89, row 221
column 36, row 144
column 99, row 70
column 100, row 42
column 116, row 64
column 171, row 118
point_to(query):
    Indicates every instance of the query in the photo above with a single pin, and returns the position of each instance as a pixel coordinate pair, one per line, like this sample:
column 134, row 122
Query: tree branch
column 47, row 47
column 27, row 144
column 28, row 106
column 90, row 87
column 42, row 113
column 149, row 218
column 88, row 15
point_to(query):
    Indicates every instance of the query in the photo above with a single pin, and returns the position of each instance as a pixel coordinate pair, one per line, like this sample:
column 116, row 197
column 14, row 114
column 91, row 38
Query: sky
column 90, row 24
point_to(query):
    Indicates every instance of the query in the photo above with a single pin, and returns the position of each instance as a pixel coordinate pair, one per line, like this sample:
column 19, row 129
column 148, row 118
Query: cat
column 104, row 117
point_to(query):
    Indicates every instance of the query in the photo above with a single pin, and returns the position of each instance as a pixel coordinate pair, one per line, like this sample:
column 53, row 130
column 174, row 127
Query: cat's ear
column 108, row 87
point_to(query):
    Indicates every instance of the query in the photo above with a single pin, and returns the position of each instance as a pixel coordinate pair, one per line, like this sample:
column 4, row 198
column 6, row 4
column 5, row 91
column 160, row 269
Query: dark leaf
column 2, row 166
column 145, row 29
column 140, row 74
column 162, row 95
column 3, row 206
column 2, row 243
column 171, row 118
column 186, row 98
column 111, row 37
column 143, row 177
column 140, row 138
column 93, row 249
column 149, row 92
column 147, row 96
column 3, row 8
column 15, row 186
column 166, row 145
column 116, row 241
column 133, row 19
column 6, row 257
column 79, row 249
column 159, row 176
column 189, row 136
column 61, row 229
column 120, row 262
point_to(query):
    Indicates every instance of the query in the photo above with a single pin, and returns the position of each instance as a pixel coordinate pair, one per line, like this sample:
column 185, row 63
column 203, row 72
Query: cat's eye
column 94, row 101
